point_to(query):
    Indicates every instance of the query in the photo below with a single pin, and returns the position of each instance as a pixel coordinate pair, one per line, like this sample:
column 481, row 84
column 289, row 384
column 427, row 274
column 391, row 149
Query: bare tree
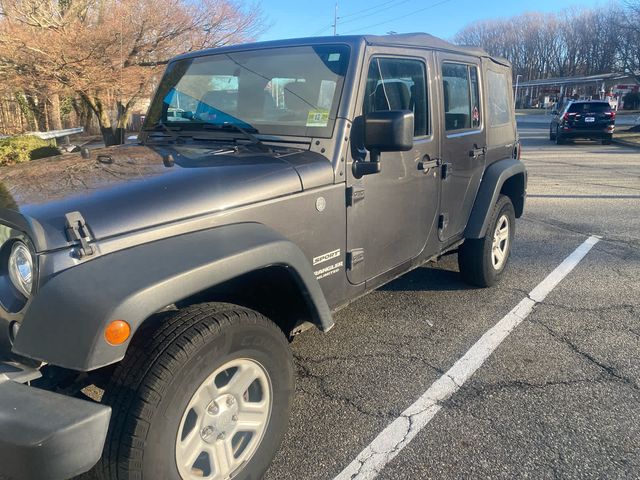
column 111, row 52
column 572, row 42
column 629, row 25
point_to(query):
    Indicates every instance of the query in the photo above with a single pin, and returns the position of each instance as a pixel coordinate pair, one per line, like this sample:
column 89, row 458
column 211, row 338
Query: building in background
column 550, row 92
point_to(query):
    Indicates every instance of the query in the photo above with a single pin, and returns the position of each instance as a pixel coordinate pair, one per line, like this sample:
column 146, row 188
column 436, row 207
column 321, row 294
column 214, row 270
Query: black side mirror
column 388, row 131
column 384, row 131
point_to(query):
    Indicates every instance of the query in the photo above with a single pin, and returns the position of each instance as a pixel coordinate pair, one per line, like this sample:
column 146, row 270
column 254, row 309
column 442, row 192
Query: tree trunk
column 109, row 135
column 34, row 106
column 55, row 119
column 124, row 115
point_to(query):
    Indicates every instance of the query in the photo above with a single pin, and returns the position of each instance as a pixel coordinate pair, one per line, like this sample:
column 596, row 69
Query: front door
column 391, row 213
column 463, row 140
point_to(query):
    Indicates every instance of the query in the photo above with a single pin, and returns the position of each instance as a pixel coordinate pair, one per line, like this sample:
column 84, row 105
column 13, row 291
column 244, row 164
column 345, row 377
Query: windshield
column 278, row 91
column 590, row 107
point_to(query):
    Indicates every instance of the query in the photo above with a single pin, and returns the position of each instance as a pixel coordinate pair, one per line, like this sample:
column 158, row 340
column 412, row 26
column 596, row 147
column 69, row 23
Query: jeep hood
column 126, row 188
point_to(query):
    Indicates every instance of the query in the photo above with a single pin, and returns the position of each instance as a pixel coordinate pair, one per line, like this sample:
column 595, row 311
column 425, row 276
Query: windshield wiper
column 171, row 133
column 235, row 127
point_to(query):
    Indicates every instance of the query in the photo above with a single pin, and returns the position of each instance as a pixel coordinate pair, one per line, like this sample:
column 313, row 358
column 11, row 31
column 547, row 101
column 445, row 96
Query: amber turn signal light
column 117, row 332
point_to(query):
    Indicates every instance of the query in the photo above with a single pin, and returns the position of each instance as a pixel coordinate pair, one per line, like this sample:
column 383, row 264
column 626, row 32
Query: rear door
column 463, row 140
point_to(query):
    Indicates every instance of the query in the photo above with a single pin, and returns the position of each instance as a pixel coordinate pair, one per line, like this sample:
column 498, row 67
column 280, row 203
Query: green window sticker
column 318, row 117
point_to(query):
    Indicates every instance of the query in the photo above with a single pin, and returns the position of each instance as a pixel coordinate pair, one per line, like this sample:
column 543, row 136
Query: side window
column 498, row 101
column 461, row 96
column 398, row 84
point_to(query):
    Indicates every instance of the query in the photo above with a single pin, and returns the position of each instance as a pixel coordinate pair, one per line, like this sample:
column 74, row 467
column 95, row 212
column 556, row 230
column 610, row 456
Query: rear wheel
column 606, row 140
column 552, row 134
column 558, row 137
column 204, row 394
column 482, row 261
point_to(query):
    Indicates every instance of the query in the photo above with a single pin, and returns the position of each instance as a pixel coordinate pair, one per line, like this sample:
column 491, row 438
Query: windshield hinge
column 78, row 233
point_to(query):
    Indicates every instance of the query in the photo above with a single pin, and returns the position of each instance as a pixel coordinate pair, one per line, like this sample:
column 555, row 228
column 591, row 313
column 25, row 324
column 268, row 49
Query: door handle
column 427, row 164
column 476, row 152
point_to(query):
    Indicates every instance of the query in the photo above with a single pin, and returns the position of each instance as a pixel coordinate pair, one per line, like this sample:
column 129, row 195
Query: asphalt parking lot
column 559, row 397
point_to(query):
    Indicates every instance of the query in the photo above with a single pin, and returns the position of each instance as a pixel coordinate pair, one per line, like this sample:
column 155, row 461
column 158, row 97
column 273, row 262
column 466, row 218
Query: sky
column 443, row 18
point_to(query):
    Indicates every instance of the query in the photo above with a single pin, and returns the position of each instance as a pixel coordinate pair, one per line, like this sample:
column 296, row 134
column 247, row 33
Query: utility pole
column 335, row 20
column 515, row 96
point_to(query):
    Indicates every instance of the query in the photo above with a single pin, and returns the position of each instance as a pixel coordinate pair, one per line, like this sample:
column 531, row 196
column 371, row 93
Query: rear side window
column 461, row 96
column 398, row 84
column 585, row 107
column 498, row 101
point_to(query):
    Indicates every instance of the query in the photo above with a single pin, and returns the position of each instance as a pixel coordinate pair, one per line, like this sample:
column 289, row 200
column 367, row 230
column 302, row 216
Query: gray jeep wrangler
column 148, row 292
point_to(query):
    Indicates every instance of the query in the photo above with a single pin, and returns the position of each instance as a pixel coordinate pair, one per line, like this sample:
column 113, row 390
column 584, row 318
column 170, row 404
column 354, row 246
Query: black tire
column 552, row 135
column 475, row 255
column 165, row 364
column 558, row 137
column 607, row 140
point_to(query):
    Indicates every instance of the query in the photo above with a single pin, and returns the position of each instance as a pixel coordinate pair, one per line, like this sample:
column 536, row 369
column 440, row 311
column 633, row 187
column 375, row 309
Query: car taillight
column 612, row 115
column 568, row 115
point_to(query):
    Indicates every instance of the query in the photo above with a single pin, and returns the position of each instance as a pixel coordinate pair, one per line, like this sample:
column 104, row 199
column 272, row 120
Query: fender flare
column 64, row 323
column 491, row 185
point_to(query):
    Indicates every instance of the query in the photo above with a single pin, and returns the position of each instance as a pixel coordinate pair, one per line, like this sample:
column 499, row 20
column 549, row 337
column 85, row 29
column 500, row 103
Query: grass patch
column 25, row 148
column 627, row 136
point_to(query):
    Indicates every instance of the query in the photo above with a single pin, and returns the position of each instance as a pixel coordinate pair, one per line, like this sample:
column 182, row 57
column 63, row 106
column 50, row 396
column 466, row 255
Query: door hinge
column 443, row 221
column 354, row 195
column 354, row 257
column 78, row 233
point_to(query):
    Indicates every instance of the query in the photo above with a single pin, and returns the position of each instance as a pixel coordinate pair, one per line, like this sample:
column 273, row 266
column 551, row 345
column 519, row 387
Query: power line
column 380, row 10
column 400, row 17
column 368, row 8
column 324, row 29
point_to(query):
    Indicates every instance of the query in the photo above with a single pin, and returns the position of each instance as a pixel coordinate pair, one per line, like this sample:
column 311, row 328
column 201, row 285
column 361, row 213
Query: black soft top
column 410, row 40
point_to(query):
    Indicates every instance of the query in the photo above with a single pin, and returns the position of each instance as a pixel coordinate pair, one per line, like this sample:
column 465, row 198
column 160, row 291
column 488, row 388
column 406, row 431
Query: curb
column 625, row 143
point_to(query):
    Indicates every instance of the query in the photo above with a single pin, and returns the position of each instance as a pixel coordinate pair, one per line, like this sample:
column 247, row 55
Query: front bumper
column 45, row 435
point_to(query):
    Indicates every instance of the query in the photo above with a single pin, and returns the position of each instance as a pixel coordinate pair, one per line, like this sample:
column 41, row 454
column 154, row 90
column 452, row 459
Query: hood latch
column 79, row 234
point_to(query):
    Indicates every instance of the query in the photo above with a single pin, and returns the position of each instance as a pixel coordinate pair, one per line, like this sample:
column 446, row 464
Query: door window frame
column 428, row 92
column 460, row 132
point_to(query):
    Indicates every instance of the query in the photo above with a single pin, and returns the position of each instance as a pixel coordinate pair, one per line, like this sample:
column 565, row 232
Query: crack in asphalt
column 610, row 370
column 628, row 307
column 409, row 432
column 488, row 388
column 610, row 237
column 305, row 372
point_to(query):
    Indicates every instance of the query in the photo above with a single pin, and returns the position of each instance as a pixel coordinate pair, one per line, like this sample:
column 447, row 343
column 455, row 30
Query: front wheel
column 205, row 393
column 482, row 261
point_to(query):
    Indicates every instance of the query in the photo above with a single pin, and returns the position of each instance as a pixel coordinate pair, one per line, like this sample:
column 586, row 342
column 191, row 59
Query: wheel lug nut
column 206, row 432
column 221, row 436
column 234, row 418
column 213, row 409
column 230, row 401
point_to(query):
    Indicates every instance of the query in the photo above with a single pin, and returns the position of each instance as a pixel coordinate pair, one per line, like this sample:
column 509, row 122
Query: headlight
column 21, row 268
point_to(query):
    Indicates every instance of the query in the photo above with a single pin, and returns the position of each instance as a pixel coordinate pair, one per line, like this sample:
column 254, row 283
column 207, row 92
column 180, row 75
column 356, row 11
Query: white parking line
column 403, row 429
